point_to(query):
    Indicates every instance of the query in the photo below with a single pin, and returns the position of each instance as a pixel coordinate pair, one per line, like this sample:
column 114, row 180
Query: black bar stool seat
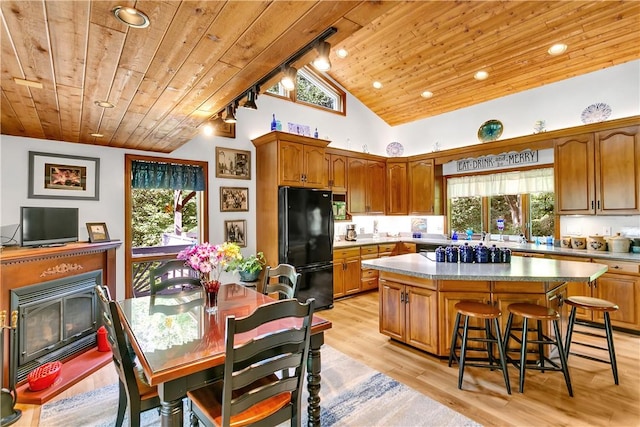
column 593, row 304
column 487, row 313
column 538, row 313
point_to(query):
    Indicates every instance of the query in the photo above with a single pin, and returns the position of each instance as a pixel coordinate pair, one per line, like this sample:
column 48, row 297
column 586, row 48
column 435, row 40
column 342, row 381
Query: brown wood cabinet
column 397, row 188
column 369, row 279
column 346, row 272
column 598, row 173
column 421, row 187
column 620, row 285
column 301, row 165
column 336, row 170
column 365, row 186
column 409, row 313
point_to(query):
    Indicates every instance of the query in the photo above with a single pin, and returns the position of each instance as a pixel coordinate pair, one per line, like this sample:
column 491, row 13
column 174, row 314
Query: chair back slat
column 282, row 279
column 172, row 276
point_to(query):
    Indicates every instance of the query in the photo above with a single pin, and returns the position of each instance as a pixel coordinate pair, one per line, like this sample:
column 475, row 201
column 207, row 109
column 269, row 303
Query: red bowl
column 43, row 376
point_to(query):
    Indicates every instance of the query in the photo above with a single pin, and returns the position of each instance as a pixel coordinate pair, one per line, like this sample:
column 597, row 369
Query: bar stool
column 538, row 313
column 593, row 304
column 488, row 313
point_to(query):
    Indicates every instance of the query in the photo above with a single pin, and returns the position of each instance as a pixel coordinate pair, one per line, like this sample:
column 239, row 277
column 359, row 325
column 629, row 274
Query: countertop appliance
column 351, row 233
column 305, row 240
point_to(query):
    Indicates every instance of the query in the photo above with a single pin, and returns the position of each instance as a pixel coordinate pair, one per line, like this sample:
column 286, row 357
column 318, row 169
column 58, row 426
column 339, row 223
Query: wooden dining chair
column 134, row 393
column 263, row 377
column 282, row 280
column 172, row 276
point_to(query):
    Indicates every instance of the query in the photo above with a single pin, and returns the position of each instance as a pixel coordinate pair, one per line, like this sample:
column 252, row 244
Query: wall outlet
column 606, row 231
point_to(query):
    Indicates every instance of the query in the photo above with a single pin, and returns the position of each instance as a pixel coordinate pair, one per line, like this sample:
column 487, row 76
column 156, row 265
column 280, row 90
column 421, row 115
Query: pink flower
column 209, row 260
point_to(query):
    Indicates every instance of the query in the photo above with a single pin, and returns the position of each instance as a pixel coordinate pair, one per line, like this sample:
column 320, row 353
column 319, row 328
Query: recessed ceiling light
column 377, row 85
column 96, row 135
column 342, row 53
column 426, row 94
column 104, row 104
column 481, row 75
column 130, row 16
column 557, row 49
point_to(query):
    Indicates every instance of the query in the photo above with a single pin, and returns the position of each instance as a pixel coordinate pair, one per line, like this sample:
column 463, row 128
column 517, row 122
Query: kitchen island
column 418, row 295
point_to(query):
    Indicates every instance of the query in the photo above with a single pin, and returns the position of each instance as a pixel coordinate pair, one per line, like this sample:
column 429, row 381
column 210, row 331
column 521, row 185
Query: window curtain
column 167, row 176
column 516, row 182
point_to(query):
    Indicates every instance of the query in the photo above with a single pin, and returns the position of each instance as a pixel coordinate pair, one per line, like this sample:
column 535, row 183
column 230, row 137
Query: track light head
column 251, row 99
column 322, row 62
column 289, row 78
column 230, row 115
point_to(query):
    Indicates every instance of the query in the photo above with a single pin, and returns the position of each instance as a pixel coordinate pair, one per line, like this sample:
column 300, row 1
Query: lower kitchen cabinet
column 624, row 290
column 409, row 314
column 346, row 271
column 446, row 304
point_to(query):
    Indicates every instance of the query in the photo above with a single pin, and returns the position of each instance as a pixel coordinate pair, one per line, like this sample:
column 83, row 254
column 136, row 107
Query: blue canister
column 505, row 255
column 466, row 253
column 440, row 254
column 495, row 255
column 481, row 253
column 451, row 253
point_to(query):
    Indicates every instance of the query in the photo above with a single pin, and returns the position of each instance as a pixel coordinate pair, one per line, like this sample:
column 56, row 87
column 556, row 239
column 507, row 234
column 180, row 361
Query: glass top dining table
column 181, row 347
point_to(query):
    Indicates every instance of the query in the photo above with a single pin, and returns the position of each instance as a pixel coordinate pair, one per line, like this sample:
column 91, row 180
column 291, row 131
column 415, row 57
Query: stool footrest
column 596, row 359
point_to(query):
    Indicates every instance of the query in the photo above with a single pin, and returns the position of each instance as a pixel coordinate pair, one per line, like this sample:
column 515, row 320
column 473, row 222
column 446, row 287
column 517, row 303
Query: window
column 477, row 203
column 166, row 211
column 314, row 90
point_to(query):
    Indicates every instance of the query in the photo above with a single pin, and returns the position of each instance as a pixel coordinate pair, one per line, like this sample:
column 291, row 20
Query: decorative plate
column 490, row 130
column 395, row 149
column 597, row 112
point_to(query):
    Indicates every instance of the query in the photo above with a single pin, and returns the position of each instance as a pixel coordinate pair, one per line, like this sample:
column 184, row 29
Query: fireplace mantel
column 20, row 267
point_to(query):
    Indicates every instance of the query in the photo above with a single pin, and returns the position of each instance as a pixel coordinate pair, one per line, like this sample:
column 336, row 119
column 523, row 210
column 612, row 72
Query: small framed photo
column 235, row 231
column 232, row 163
column 234, row 199
column 97, row 232
column 61, row 176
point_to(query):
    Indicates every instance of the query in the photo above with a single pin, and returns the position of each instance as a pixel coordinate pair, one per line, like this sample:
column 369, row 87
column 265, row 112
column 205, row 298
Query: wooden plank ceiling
column 197, row 56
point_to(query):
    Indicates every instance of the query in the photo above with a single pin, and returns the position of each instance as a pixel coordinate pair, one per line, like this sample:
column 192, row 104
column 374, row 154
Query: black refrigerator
column 305, row 240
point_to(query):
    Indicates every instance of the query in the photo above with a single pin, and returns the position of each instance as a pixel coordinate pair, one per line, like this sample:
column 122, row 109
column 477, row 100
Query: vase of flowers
column 209, row 261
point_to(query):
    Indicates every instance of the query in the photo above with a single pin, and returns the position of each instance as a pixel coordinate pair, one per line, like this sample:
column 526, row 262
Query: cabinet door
column 392, row 309
column 574, row 174
column 314, row 167
column 291, row 164
column 337, row 173
column 421, row 187
column 447, row 314
column 356, row 186
column 376, row 177
column 503, row 300
column 623, row 290
column 422, row 318
column 352, row 275
column 397, row 191
column 580, row 289
column 617, row 173
column 339, row 273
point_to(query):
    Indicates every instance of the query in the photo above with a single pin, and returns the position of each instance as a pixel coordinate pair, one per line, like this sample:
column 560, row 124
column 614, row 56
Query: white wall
column 560, row 104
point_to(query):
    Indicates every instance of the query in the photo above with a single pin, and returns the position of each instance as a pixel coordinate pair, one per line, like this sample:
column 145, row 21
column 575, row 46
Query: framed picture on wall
column 232, row 163
column 235, row 231
column 234, row 199
column 62, row 176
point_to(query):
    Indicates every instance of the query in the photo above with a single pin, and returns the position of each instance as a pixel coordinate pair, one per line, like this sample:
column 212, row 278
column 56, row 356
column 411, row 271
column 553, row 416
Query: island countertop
column 519, row 269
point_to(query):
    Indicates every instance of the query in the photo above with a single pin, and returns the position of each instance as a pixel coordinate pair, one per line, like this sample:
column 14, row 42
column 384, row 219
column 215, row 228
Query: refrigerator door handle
column 331, row 228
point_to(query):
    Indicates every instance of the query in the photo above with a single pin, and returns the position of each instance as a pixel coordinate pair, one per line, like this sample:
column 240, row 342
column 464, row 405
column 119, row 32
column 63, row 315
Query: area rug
column 352, row 394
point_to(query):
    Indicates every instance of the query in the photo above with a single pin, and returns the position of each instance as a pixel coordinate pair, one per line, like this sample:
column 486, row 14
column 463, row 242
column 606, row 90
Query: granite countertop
column 519, row 247
column 520, row 269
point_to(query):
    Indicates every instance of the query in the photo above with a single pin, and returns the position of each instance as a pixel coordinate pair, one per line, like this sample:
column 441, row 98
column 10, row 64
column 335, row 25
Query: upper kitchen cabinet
column 336, row 170
column 422, row 187
column 598, row 173
column 397, row 187
column 365, row 186
column 298, row 160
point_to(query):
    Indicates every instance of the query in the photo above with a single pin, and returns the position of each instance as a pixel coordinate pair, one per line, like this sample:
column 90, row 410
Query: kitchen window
column 521, row 201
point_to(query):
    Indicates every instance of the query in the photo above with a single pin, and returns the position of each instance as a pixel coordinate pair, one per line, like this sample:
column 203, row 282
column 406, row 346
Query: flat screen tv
column 43, row 226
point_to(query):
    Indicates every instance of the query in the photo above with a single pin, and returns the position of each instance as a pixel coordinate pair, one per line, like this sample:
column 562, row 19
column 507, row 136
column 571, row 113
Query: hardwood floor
column 597, row 400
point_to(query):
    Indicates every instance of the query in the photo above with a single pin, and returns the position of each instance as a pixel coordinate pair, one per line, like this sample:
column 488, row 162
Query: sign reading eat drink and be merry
column 492, row 161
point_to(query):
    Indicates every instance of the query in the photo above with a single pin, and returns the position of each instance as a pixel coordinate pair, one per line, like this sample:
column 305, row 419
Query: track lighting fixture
column 230, row 116
column 251, row 99
column 289, row 78
column 322, row 62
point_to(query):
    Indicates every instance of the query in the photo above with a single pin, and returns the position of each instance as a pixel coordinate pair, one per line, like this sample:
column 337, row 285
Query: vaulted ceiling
column 197, row 56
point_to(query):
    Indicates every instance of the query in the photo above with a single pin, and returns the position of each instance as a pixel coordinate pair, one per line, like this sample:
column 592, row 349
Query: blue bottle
column 454, row 236
column 315, row 134
column 274, row 124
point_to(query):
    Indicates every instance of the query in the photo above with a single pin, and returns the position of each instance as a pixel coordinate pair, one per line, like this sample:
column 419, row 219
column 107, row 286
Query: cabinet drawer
column 368, row 250
column 387, row 247
column 619, row 266
column 345, row 253
column 369, row 273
